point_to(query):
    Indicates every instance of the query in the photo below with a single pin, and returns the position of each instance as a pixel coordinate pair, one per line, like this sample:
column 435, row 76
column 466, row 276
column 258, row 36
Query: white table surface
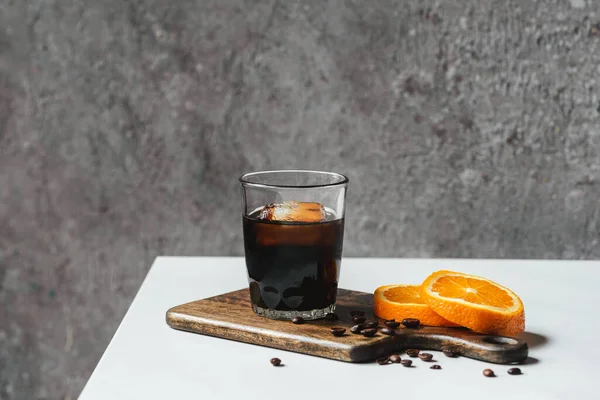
column 148, row 360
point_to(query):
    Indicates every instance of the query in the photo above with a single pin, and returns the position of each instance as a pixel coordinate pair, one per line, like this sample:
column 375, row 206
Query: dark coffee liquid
column 293, row 265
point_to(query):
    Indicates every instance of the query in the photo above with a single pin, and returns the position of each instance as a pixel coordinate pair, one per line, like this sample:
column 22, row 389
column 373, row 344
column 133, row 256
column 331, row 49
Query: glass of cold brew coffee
column 293, row 224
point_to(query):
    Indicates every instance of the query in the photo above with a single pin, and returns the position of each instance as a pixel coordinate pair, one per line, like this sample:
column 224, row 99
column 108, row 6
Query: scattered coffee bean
column 426, row 356
column 449, row 353
column 338, row 331
column 488, row 372
column 412, row 353
column 371, row 324
column 514, row 371
column 383, row 361
column 369, row 332
column 388, row 331
column 359, row 319
column 276, row 362
column 331, row 317
column 395, row 358
column 357, row 328
column 391, row 323
column 406, row 363
column 411, row 322
column 298, row 320
column 356, row 312
column 435, row 366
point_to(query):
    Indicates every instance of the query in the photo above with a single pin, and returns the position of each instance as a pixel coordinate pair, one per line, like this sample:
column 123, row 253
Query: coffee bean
column 395, row 358
column 391, row 323
column 276, row 362
column 488, row 372
column 388, row 331
column 406, row 363
column 449, row 353
column 514, row 371
column 371, row 324
column 369, row 332
column 411, row 322
column 357, row 328
column 359, row 319
column 426, row 356
column 338, row 331
column 435, row 366
column 356, row 312
column 298, row 320
column 383, row 361
column 412, row 353
column 331, row 317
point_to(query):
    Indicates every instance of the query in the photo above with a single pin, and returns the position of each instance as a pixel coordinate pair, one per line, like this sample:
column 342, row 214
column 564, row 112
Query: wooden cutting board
column 230, row 316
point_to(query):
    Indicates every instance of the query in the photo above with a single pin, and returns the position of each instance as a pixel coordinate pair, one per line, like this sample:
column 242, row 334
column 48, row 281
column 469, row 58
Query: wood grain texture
column 230, row 316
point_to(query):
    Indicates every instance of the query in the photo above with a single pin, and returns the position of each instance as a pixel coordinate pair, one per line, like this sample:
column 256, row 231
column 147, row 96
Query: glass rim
column 343, row 179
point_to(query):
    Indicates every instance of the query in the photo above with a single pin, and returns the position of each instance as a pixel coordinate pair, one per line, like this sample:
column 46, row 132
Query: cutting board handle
column 490, row 348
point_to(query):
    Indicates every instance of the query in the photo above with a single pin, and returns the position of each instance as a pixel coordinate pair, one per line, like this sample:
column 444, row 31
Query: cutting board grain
column 230, row 316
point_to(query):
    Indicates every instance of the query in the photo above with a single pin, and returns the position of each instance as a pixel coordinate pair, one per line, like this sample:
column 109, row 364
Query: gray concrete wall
column 467, row 128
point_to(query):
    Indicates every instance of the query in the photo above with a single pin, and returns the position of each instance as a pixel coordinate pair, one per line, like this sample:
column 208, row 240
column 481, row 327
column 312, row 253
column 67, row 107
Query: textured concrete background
column 467, row 128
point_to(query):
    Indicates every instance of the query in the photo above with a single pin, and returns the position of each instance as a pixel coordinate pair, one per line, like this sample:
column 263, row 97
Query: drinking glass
column 293, row 223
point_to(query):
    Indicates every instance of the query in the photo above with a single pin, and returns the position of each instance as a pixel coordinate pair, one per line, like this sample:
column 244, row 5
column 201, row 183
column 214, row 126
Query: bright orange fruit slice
column 474, row 302
column 403, row 301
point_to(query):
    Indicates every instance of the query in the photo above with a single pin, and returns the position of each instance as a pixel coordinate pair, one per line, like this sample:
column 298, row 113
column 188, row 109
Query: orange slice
column 403, row 301
column 474, row 302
